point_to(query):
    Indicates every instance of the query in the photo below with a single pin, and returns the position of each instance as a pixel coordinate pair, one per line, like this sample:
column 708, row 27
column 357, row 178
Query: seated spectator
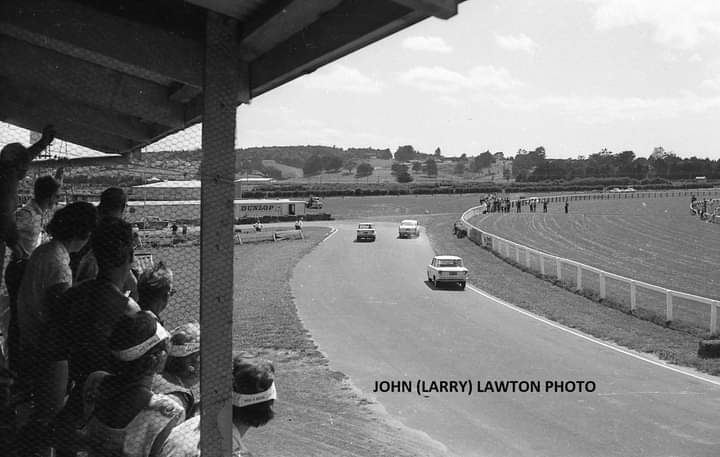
column 251, row 406
column 182, row 369
column 124, row 417
column 113, row 202
column 155, row 287
column 82, row 319
column 30, row 223
column 258, row 225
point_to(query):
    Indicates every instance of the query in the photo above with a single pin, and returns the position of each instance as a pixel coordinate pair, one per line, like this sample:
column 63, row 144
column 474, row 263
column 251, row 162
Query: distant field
column 653, row 240
column 401, row 205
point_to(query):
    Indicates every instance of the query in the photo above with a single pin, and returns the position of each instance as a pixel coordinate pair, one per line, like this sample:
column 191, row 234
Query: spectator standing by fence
column 567, row 206
column 545, row 205
column 30, row 224
column 47, row 275
column 14, row 163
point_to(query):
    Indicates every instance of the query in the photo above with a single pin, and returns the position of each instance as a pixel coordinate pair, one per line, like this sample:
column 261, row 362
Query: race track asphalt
column 370, row 310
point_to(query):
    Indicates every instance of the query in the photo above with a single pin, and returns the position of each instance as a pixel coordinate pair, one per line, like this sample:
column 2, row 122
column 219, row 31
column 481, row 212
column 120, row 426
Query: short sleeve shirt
column 48, row 266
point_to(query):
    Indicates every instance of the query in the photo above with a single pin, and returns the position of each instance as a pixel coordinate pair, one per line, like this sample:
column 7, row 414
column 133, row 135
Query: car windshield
column 365, row 226
column 449, row 263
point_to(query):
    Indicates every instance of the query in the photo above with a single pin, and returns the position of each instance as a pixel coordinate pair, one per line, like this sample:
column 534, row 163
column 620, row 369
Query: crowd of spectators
column 496, row 204
column 89, row 368
column 706, row 209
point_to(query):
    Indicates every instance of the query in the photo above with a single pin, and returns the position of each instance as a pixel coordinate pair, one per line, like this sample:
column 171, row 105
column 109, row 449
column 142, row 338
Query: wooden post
column 602, row 285
column 633, row 296
column 517, row 254
column 713, row 319
column 542, row 264
column 668, row 306
column 527, row 258
column 223, row 80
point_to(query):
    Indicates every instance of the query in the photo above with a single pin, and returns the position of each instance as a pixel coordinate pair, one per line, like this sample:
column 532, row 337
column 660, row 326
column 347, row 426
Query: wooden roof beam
column 124, row 45
column 67, row 130
column 278, row 22
column 50, row 107
column 328, row 39
column 88, row 84
column 443, row 9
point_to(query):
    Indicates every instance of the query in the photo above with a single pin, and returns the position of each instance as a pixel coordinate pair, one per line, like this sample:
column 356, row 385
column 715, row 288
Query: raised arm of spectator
column 48, row 135
column 59, row 175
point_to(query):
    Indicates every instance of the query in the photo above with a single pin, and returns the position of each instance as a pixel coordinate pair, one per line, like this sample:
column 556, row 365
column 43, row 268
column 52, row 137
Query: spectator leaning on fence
column 251, row 406
column 123, row 415
column 14, row 163
column 182, row 369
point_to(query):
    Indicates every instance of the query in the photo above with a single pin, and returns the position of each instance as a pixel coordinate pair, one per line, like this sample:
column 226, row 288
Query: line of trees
column 534, row 167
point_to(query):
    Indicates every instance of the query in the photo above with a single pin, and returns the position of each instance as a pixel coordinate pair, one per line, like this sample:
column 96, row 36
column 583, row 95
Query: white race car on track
column 447, row 269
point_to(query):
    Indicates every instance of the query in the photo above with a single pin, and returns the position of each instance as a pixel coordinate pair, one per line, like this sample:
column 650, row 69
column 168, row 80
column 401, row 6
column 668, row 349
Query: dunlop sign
column 258, row 210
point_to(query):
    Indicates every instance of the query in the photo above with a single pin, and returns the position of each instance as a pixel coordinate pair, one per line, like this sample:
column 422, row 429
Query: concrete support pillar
column 222, row 81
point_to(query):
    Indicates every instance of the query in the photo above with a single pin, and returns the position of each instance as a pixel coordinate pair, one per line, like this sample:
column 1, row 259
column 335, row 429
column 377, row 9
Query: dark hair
column 251, row 376
column 154, row 284
column 112, row 243
column 130, row 331
column 76, row 220
column 45, row 187
column 112, row 199
column 10, row 153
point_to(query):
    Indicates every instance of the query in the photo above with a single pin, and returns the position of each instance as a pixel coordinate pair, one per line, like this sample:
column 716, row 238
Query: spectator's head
column 139, row 345
column 113, row 201
column 112, row 244
column 184, row 353
column 72, row 224
column 155, row 288
column 253, row 390
column 47, row 192
column 12, row 153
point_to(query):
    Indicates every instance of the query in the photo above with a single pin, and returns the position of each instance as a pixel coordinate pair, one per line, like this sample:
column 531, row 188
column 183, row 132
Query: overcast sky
column 574, row 76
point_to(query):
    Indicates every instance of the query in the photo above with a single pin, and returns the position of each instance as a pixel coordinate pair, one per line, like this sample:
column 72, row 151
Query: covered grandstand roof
column 117, row 75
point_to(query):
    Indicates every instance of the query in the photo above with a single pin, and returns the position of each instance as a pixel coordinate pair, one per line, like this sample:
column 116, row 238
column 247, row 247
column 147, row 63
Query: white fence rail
column 522, row 254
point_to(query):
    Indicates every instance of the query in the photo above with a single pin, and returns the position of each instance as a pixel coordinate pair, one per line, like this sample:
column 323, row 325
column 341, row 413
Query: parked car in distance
column 365, row 231
column 152, row 223
column 447, row 269
column 314, row 203
column 408, row 228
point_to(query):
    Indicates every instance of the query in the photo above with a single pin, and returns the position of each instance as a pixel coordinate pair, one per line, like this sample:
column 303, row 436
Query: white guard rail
column 509, row 249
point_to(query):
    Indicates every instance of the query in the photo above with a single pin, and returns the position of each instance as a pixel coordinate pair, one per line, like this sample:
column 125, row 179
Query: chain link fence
column 84, row 369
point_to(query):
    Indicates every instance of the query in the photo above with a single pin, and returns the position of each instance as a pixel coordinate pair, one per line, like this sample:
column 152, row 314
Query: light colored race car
column 408, row 229
column 365, row 231
column 447, row 269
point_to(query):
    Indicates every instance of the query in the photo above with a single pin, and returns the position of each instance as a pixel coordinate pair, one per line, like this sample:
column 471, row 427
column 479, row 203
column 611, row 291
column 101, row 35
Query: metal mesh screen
column 85, row 361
